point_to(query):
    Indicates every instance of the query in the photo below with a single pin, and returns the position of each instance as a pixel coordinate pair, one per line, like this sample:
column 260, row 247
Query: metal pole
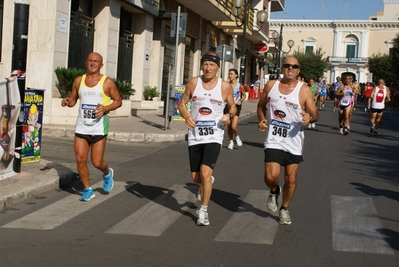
column 20, row 44
column 172, row 95
column 244, row 36
column 280, row 47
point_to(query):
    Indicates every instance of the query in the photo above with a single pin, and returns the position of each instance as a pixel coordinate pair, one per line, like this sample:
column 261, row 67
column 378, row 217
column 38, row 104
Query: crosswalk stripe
column 356, row 226
column 156, row 216
column 63, row 210
column 249, row 224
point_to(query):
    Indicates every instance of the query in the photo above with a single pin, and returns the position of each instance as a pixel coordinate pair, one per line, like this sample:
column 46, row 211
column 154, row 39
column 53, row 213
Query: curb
column 46, row 176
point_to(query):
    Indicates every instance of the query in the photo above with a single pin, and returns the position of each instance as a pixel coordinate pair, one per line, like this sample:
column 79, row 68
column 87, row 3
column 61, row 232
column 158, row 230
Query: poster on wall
column 179, row 90
column 32, row 125
column 10, row 103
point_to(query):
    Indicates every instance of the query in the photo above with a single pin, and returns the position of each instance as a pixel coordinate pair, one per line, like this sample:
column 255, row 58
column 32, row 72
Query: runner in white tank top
column 285, row 131
column 207, row 109
column 208, row 95
column 376, row 104
column 95, row 91
column 284, row 108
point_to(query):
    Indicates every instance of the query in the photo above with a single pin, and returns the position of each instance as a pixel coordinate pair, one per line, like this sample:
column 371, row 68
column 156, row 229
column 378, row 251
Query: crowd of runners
column 346, row 92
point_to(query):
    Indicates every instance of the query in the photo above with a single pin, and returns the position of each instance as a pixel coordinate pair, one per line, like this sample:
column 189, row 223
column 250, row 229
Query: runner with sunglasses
column 286, row 105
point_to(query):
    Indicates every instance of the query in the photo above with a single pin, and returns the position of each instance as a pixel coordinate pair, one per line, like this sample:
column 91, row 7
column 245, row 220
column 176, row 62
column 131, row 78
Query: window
column 351, row 43
column 309, row 45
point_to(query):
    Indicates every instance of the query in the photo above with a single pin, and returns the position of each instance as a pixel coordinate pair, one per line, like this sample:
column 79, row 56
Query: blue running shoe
column 108, row 181
column 88, row 194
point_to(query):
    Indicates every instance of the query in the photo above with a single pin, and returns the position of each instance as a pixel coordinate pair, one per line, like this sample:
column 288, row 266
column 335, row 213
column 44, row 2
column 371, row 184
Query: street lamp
column 242, row 20
column 278, row 39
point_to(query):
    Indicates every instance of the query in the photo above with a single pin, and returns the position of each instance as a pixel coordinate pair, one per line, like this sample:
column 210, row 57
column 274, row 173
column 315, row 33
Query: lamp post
column 278, row 39
column 242, row 21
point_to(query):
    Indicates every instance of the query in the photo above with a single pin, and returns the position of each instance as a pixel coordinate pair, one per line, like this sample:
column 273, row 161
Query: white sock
column 204, row 208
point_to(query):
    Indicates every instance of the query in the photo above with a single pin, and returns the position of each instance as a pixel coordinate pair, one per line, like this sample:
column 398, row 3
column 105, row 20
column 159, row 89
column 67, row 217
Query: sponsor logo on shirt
column 205, row 111
column 291, row 105
column 205, row 123
column 280, row 124
column 279, row 114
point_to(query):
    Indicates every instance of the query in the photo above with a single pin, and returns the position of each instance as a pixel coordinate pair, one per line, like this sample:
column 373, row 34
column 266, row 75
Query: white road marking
column 156, row 216
column 63, row 210
column 251, row 223
column 356, row 226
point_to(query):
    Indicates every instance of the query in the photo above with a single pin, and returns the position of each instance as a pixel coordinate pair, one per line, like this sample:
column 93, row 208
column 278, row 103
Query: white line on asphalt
column 356, row 226
column 251, row 223
column 63, row 210
column 156, row 216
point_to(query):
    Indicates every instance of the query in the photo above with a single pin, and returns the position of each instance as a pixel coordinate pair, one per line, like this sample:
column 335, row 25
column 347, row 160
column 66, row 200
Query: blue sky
column 329, row 9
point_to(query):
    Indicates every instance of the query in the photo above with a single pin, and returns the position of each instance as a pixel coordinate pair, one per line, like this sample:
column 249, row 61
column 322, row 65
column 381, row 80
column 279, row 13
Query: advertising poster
column 179, row 90
column 10, row 106
column 32, row 126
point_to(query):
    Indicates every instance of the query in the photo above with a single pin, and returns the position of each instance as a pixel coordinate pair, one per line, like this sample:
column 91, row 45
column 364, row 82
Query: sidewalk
column 38, row 178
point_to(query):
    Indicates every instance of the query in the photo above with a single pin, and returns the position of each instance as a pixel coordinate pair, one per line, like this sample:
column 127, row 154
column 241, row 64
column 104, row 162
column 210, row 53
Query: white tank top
column 207, row 109
column 378, row 101
column 285, row 127
column 90, row 97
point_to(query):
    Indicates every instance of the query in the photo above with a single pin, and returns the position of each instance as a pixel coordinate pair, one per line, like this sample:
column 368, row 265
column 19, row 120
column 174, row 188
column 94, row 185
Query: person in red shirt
column 367, row 94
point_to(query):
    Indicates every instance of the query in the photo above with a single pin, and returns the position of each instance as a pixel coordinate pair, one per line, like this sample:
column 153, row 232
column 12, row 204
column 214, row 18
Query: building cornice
column 333, row 23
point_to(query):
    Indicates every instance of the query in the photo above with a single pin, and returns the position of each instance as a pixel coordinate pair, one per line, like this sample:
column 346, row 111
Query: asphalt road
column 344, row 212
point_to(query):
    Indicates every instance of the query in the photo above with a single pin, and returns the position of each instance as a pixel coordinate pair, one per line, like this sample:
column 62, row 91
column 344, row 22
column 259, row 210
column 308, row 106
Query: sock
column 340, row 126
column 373, row 125
column 237, row 137
column 204, row 208
column 276, row 191
column 285, row 208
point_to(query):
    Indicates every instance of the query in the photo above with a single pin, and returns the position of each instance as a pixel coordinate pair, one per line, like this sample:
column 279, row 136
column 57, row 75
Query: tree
column 313, row 65
column 386, row 66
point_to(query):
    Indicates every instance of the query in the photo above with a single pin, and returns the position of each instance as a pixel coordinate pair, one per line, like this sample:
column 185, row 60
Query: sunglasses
column 294, row 66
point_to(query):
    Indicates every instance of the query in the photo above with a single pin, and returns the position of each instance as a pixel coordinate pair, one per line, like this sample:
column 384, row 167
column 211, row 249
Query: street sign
column 261, row 47
column 224, row 52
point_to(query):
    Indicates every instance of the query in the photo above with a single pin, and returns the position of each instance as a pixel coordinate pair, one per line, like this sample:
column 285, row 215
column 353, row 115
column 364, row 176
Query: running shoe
column 238, row 140
column 203, row 218
column 272, row 201
column 371, row 129
column 346, row 131
column 108, row 181
column 88, row 193
column 313, row 125
column 341, row 130
column 310, row 126
column 199, row 189
column 231, row 145
column 284, row 216
column 375, row 132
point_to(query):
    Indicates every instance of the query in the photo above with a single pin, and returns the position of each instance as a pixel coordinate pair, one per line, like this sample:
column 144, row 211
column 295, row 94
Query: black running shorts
column 281, row 157
column 206, row 154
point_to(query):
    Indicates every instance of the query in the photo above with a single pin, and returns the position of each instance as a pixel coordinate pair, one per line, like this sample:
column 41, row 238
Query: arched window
column 351, row 44
column 309, row 45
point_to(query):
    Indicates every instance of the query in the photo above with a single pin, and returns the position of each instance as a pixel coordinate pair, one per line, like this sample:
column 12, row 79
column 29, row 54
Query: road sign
column 261, row 47
column 224, row 52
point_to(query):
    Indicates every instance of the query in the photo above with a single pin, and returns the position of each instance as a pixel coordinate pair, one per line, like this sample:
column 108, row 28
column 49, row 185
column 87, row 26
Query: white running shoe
column 199, row 189
column 203, row 218
column 238, row 140
column 272, row 201
column 284, row 216
column 313, row 125
column 341, row 130
column 231, row 145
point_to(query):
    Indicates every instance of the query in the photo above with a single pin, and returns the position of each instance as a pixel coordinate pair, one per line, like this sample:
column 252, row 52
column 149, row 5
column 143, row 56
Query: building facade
column 134, row 37
column 347, row 44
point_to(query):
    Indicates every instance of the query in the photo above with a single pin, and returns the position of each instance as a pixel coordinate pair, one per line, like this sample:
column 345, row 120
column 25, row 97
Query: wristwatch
column 231, row 115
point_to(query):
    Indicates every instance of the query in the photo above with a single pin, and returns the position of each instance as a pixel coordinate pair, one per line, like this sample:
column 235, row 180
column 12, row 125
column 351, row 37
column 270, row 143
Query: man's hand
column 262, row 125
column 65, row 102
column 190, row 122
column 226, row 119
column 100, row 111
column 305, row 117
